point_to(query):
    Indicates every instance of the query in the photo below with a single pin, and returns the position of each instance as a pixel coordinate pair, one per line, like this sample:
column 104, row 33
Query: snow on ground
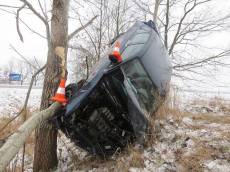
column 12, row 99
column 192, row 143
column 197, row 139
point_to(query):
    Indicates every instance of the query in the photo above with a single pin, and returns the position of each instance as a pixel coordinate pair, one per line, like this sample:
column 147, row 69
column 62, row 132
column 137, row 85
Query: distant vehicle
column 15, row 77
column 114, row 105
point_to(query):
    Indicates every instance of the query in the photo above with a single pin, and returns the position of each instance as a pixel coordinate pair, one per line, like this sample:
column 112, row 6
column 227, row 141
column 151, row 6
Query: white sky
column 35, row 46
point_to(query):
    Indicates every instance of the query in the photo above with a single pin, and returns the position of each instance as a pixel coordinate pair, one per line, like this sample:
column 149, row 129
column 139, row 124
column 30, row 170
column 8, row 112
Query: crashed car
column 114, row 105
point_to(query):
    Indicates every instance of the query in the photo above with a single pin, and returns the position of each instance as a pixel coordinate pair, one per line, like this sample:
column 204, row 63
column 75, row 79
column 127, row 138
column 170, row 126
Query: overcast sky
column 35, row 46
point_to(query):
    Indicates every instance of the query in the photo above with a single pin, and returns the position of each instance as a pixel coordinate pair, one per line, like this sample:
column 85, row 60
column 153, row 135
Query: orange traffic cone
column 115, row 56
column 60, row 94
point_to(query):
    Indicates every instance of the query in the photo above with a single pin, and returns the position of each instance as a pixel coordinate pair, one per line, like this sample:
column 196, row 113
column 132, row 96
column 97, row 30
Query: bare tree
column 45, row 157
column 114, row 18
column 156, row 8
column 57, row 37
column 182, row 24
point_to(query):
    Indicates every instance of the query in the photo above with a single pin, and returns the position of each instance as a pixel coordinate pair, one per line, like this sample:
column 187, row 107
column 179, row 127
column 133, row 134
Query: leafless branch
column 80, row 48
column 186, row 12
column 32, row 30
column 203, row 61
column 7, row 11
column 156, row 8
column 21, row 56
column 26, row 99
column 9, row 6
column 34, row 11
column 87, row 67
column 28, row 27
column 43, row 12
column 43, row 19
column 91, row 39
column 166, row 25
column 17, row 22
column 143, row 7
column 81, row 28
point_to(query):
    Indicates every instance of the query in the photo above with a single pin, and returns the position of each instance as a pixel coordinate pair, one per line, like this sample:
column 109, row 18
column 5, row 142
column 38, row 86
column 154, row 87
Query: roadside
column 195, row 138
column 180, row 141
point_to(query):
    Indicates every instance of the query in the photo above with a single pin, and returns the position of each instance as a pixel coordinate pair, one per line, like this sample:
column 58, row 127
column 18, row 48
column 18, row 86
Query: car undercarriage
column 111, row 108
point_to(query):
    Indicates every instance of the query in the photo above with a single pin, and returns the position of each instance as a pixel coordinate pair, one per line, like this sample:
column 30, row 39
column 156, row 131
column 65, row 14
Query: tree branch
column 28, row 27
column 166, row 25
column 9, row 6
column 29, row 5
column 91, row 39
column 17, row 22
column 27, row 98
column 81, row 28
column 20, row 55
column 186, row 12
column 16, row 141
column 206, row 60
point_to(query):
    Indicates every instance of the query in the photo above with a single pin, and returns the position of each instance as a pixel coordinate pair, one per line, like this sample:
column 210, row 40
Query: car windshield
column 140, row 83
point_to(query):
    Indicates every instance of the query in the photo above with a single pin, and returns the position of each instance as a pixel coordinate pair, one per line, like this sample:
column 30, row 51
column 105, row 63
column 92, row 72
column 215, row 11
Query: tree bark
column 166, row 25
column 155, row 13
column 45, row 155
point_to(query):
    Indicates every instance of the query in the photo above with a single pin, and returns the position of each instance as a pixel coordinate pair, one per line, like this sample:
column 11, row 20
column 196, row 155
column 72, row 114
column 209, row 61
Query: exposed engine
column 102, row 126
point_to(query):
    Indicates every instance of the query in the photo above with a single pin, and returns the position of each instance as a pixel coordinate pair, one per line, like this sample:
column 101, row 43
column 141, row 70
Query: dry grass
column 130, row 157
column 226, row 135
column 219, row 102
column 215, row 102
column 10, row 128
column 136, row 156
column 212, row 119
column 14, row 125
column 164, row 111
column 194, row 161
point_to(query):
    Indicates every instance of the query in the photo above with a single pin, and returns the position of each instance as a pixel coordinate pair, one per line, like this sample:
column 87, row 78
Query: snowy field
column 12, row 98
column 180, row 143
column 197, row 139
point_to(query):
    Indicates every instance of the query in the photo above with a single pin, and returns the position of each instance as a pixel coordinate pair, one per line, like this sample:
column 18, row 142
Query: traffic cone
column 60, row 94
column 115, row 56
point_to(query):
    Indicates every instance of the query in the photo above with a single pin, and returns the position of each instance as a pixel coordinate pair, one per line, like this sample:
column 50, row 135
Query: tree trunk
column 156, row 8
column 166, row 25
column 45, row 155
